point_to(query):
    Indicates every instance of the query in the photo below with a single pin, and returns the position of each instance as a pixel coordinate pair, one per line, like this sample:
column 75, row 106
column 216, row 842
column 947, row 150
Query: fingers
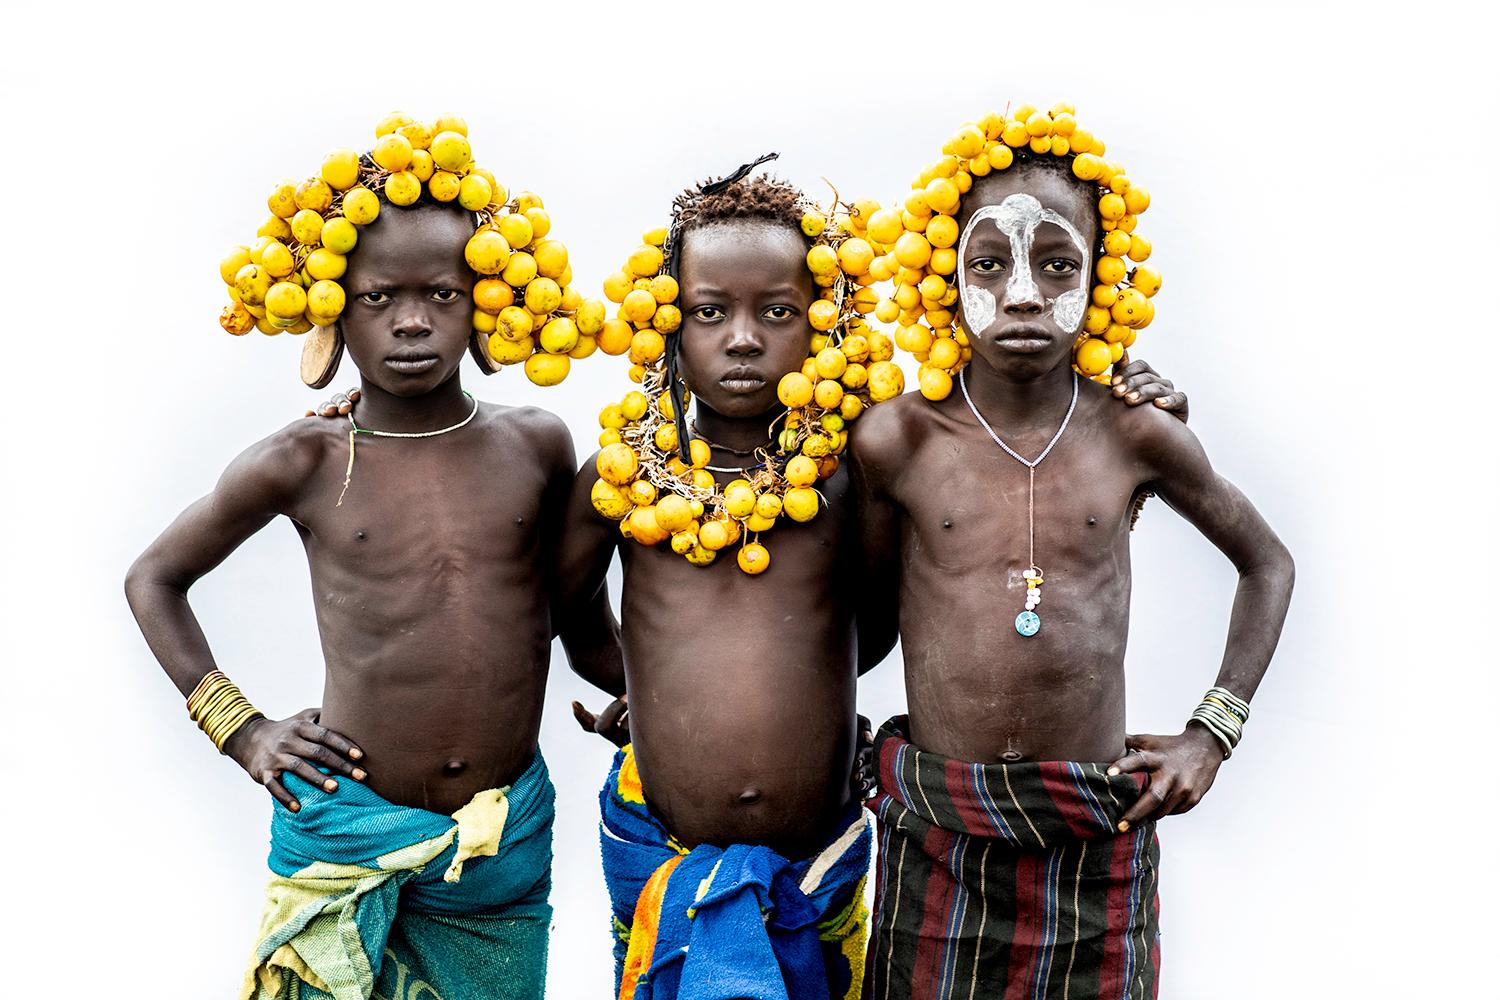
column 1138, row 759
column 1125, row 368
column 586, row 720
column 331, row 749
column 614, row 722
column 320, row 755
column 1149, row 805
column 1133, row 389
column 304, row 770
column 279, row 793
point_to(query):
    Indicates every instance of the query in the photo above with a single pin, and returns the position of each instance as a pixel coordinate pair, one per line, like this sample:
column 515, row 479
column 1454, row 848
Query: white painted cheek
column 979, row 308
column 1068, row 308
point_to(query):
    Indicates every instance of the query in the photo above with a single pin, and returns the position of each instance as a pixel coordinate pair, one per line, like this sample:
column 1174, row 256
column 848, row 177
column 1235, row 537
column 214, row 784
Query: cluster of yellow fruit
column 644, row 482
column 918, row 245
column 525, row 311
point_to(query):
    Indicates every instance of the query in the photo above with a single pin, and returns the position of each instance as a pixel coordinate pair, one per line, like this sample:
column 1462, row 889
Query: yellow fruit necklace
column 1028, row 622
column 655, row 478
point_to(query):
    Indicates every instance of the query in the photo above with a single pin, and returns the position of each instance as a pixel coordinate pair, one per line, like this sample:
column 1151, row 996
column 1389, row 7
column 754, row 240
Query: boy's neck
column 742, row 434
column 383, row 411
column 1010, row 401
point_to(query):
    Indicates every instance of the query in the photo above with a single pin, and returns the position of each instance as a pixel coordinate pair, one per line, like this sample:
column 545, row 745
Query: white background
column 1323, row 215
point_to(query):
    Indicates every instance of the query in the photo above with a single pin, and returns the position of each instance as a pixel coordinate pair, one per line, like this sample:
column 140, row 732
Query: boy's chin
column 1021, row 365
column 739, row 406
column 406, row 386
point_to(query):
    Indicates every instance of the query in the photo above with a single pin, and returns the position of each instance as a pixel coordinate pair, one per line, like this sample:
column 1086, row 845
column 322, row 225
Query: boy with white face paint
column 1017, row 816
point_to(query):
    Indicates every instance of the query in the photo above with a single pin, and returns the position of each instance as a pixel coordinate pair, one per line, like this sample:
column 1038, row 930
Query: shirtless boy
column 741, row 688
column 1017, row 817
column 412, row 844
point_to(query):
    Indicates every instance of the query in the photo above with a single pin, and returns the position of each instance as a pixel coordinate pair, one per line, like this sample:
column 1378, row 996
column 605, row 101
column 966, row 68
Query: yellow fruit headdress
column 918, row 241
column 654, row 477
column 287, row 280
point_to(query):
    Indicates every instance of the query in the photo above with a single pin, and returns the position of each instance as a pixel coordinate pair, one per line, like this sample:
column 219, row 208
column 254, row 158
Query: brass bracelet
column 219, row 708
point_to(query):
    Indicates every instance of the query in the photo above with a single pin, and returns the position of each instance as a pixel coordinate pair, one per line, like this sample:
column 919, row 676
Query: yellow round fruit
column 251, row 284
column 421, row 165
column 444, row 186
column 520, row 269
column 934, row 383
column 325, row 299
column 633, row 406
column 755, row 523
column 1140, row 248
column 644, row 261
column 361, row 206
column 341, row 169
column 801, row 471
column 1093, row 357
column 277, row 259
column 823, row 315
column 673, row 513
column 823, row 261
column 559, row 336
column 516, row 229
column 665, row 438
column 514, row 323
column 450, row 123
column 339, row 235
column 1147, row 279
column 450, row 151
column 942, row 195
column 667, row 319
column 644, row 527
column 236, row 319
column 685, row 542
column 794, row 390
column 801, row 502
column 283, row 200
column 855, row 255
column 542, row 296
column 913, row 250
column 609, row 500
column 474, row 192
column 639, row 306
column 664, row 289
column 547, row 369
column 508, row 351
column 739, row 499
column 885, row 226
column 323, row 264
column 232, row 262
column 1117, row 243
column 307, row 227
column 813, row 225
column 402, row 188
column 715, row 535
column 615, row 337
column 285, row 300
column 487, row 252
column 1137, row 199
column 831, row 362
column 617, row 286
column 551, row 258
column 754, row 559
column 590, row 318
column 886, row 381
column 493, row 295
column 828, row 394
column 645, row 347
column 392, row 152
column 313, row 194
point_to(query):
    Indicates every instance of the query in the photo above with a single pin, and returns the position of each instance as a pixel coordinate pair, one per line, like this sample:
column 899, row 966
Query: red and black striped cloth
column 1009, row 881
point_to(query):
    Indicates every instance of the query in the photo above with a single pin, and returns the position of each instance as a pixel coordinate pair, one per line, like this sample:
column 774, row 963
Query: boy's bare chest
column 966, row 502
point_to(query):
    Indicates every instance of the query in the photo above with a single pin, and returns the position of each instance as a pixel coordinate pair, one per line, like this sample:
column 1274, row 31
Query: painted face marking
column 1017, row 217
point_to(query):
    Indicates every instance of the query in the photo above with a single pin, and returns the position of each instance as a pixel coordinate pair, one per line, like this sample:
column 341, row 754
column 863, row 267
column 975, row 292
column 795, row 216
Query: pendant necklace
column 1028, row 622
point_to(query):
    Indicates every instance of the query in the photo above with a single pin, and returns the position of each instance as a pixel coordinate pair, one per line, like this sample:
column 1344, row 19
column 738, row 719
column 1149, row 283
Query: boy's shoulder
column 532, row 426
column 275, row 468
column 886, row 435
column 1147, row 433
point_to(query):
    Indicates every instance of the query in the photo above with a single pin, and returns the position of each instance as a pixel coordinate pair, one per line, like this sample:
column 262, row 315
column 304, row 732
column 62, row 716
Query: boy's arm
column 1183, row 767
column 875, row 452
column 589, row 631
column 257, row 486
column 1136, row 382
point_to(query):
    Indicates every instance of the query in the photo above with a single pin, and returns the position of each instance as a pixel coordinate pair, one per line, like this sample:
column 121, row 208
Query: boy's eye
column 446, row 294
column 987, row 265
column 373, row 298
column 781, row 312
column 1059, row 266
column 707, row 313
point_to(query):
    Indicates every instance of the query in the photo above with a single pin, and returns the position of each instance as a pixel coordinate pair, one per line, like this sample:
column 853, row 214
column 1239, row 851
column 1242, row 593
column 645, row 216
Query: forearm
column 1260, row 608
column 591, row 639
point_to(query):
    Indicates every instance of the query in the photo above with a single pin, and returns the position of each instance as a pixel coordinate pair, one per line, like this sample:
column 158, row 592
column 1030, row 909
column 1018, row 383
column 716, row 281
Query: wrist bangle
column 1223, row 713
column 219, row 709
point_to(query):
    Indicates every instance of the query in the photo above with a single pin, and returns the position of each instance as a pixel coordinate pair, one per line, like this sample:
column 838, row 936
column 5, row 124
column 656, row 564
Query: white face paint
column 1017, row 217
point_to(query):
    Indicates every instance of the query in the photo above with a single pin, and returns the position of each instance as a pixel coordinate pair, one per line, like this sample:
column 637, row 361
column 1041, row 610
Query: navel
column 1092, row 521
column 454, row 767
column 749, row 796
column 359, row 535
column 1011, row 756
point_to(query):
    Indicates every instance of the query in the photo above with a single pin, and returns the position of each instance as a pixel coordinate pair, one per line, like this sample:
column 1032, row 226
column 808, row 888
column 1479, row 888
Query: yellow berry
column 323, row 264
column 516, row 229
column 639, row 306
column 886, row 381
column 645, row 347
column 813, row 224
column 559, row 336
column 307, row 227
column 913, row 250
column 823, row 261
column 313, row 194
column 474, row 192
column 667, row 319
column 934, row 383
column 855, row 256
column 1137, row 199
column 823, row 315
column 644, row 261
column 340, row 169
column 392, row 152
column 325, row 300
column 794, row 390
column 487, row 252
column 1093, row 357
column 361, row 206
column 1116, row 244
column 283, row 200
column 520, row 269
column 450, row 151
column 754, row 559
column 277, row 259
column 615, row 337
column 403, row 188
column 608, row 499
column 547, row 369
column 231, row 264
column 542, row 296
column 285, row 300
column 1110, row 270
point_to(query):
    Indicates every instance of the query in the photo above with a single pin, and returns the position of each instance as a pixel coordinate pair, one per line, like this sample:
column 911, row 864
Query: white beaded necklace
column 354, row 429
column 1028, row 622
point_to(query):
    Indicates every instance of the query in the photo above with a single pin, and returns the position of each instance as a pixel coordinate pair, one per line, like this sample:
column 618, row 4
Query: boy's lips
column 412, row 362
column 1024, row 338
column 742, row 380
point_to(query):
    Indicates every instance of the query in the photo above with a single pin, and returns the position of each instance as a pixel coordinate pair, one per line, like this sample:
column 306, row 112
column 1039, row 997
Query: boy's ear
column 479, row 350
column 322, row 350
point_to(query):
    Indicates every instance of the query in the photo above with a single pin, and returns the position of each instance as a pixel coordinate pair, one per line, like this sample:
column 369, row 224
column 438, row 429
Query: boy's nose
column 744, row 341
column 412, row 324
column 1022, row 297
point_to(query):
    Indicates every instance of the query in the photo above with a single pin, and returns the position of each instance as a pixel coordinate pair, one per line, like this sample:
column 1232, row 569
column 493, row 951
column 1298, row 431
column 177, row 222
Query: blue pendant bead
column 1028, row 623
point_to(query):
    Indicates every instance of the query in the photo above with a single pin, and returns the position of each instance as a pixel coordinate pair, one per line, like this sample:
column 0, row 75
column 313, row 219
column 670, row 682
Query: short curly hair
column 760, row 198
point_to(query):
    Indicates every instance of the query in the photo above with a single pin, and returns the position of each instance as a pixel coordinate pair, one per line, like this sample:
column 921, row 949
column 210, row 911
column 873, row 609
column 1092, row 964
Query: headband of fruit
column 288, row 279
column 655, row 478
column 917, row 244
